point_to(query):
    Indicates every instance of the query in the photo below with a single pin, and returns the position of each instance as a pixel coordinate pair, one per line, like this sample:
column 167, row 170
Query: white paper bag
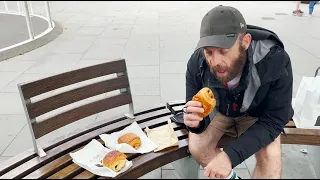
column 164, row 136
column 91, row 155
column 307, row 103
column 111, row 140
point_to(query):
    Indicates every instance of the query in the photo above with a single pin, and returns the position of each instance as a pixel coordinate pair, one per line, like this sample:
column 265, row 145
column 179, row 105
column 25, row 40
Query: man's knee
column 205, row 141
column 198, row 147
column 270, row 154
column 202, row 150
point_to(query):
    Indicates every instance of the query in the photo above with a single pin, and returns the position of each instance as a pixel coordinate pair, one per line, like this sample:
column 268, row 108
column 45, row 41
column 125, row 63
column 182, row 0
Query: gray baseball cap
column 220, row 27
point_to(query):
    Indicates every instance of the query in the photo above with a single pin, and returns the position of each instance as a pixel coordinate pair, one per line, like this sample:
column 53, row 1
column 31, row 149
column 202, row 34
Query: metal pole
column 31, row 8
column 30, row 30
column 19, row 6
column 6, row 6
column 48, row 13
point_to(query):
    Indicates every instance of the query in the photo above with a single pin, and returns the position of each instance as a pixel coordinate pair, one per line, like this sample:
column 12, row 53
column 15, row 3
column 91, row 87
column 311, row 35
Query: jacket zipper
column 228, row 110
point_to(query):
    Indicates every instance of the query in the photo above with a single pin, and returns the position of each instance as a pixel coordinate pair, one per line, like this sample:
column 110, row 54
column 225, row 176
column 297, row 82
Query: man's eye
column 208, row 52
column 223, row 51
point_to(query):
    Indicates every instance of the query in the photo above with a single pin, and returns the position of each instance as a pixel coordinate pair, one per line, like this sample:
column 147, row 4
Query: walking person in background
column 311, row 6
column 298, row 10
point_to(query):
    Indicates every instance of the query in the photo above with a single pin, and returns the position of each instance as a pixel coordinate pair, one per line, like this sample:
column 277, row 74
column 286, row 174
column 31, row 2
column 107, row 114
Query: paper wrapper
column 163, row 136
column 111, row 140
column 91, row 155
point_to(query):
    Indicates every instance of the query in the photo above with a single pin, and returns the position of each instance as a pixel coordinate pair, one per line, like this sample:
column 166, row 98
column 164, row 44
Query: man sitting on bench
column 250, row 74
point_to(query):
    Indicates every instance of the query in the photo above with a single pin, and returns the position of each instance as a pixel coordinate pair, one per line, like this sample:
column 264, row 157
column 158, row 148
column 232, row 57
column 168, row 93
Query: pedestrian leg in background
column 311, row 6
column 297, row 10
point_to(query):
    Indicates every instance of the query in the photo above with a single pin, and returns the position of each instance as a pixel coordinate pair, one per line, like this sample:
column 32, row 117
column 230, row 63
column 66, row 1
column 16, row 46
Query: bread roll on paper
column 131, row 139
column 114, row 160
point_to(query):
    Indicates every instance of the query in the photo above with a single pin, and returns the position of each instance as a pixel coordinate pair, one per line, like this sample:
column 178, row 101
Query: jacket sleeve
column 193, row 85
column 270, row 124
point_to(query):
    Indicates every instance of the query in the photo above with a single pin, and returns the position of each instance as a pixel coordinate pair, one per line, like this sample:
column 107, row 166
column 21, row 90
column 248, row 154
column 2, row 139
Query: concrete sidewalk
column 156, row 39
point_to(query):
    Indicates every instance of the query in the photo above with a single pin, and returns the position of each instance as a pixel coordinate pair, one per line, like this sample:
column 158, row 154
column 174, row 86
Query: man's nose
column 215, row 59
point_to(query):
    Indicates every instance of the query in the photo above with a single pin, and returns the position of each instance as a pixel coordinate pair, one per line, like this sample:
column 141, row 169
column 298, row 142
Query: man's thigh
column 211, row 136
column 243, row 123
column 203, row 146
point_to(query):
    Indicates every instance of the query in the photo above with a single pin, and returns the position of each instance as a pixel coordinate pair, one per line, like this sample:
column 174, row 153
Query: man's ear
column 246, row 40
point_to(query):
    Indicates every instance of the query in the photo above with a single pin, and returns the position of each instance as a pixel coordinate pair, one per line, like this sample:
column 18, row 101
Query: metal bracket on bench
column 41, row 152
column 130, row 115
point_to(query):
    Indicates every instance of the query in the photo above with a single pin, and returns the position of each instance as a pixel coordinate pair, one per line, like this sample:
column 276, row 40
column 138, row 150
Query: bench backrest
column 117, row 69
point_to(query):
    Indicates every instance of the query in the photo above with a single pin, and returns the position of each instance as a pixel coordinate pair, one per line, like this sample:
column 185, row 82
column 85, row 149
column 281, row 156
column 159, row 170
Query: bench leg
column 187, row 168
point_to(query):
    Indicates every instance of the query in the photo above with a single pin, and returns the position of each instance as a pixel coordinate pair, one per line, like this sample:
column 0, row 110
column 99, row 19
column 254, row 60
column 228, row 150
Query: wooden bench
column 52, row 160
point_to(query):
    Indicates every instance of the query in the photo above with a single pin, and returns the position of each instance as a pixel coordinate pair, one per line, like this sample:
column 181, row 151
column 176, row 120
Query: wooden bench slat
column 16, row 161
column 304, row 132
column 160, row 121
column 149, row 162
column 175, row 103
column 41, row 173
column 36, row 163
column 58, row 167
column 51, row 124
column 54, row 82
column 67, row 172
column 49, row 168
column 83, row 175
column 301, row 136
column 62, row 139
column 180, row 134
column 29, row 154
column 46, row 105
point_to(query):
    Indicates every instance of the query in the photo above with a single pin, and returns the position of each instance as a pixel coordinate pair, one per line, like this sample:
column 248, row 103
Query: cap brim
column 220, row 41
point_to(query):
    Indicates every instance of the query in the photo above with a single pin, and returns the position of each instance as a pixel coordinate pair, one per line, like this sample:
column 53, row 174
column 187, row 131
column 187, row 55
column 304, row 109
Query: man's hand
column 219, row 167
column 190, row 116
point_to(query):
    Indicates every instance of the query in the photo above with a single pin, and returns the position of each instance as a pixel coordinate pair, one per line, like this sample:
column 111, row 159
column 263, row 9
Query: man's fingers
column 206, row 172
column 218, row 176
column 193, row 109
column 212, row 175
column 194, row 103
column 193, row 117
column 192, row 123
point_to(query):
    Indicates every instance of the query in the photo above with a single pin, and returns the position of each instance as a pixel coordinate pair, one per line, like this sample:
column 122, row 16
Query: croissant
column 206, row 97
column 114, row 160
column 131, row 139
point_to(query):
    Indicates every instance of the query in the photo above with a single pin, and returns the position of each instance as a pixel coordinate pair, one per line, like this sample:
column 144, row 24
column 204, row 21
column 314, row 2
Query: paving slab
column 157, row 40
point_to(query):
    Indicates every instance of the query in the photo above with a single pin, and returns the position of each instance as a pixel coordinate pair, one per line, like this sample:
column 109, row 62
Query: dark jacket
column 267, row 94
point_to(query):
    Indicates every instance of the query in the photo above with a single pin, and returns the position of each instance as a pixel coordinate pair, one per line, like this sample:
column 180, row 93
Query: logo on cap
column 241, row 25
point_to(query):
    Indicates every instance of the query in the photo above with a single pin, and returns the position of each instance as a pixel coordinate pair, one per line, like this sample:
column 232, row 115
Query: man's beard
column 235, row 69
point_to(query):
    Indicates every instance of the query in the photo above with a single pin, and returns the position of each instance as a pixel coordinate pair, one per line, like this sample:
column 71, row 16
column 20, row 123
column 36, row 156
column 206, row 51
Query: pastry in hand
column 131, row 139
column 206, row 97
column 114, row 160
